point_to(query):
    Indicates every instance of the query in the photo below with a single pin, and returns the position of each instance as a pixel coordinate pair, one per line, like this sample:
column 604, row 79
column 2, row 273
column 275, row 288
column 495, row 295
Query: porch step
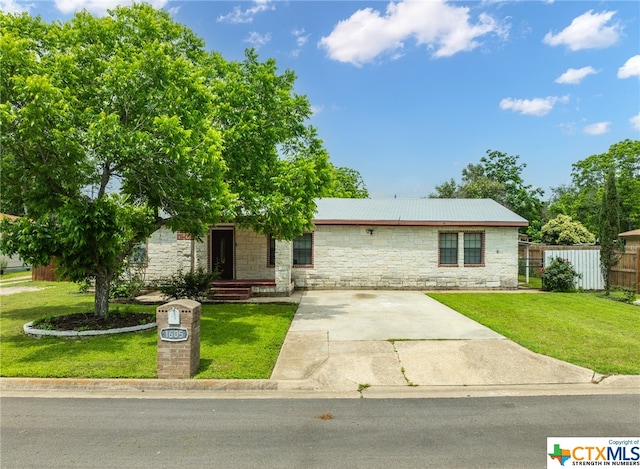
column 229, row 293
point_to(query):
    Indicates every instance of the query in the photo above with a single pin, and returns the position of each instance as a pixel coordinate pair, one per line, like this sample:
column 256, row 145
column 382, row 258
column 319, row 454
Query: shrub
column 564, row 230
column 192, row 285
column 126, row 286
column 560, row 276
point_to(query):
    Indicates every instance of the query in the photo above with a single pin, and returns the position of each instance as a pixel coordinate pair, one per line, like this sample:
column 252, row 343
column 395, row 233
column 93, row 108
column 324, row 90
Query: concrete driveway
column 346, row 339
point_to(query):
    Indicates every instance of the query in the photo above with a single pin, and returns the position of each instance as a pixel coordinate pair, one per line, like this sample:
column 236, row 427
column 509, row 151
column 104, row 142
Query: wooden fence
column 626, row 273
column 46, row 273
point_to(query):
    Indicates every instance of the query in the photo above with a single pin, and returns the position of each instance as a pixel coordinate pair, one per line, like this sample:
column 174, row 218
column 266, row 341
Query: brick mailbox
column 178, row 339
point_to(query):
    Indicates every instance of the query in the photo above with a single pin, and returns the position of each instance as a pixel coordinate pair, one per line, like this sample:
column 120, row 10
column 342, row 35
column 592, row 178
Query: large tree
column 582, row 198
column 276, row 164
column 498, row 176
column 113, row 127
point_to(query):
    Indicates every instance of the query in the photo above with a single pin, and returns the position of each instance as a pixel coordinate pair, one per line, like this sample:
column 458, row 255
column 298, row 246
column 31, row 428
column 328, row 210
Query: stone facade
column 406, row 257
column 167, row 252
column 352, row 256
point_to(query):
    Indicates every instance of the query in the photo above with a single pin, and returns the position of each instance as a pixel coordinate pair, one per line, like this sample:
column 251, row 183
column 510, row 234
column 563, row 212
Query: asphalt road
column 498, row 432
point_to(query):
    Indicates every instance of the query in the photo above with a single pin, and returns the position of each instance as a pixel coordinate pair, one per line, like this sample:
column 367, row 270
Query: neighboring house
column 631, row 239
column 361, row 243
column 14, row 263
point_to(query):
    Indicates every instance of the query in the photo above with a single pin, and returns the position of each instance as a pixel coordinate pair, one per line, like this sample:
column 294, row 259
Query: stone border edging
column 42, row 332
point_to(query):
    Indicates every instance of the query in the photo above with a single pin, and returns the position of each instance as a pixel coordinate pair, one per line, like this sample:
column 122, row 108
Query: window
column 473, row 248
column 302, row 250
column 448, row 249
column 138, row 254
column 271, row 260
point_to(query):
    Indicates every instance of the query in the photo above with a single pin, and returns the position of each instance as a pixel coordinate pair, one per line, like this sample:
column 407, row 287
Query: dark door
column 222, row 253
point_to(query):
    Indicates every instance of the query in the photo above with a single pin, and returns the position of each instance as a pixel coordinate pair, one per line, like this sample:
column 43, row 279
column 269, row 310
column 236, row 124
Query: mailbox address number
column 174, row 334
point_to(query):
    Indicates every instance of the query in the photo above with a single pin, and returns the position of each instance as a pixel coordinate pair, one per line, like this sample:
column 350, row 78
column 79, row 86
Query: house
column 11, row 263
column 631, row 239
column 361, row 243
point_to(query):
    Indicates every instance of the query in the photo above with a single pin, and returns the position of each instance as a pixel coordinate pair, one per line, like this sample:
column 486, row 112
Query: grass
column 236, row 340
column 6, row 277
column 580, row 328
column 534, row 282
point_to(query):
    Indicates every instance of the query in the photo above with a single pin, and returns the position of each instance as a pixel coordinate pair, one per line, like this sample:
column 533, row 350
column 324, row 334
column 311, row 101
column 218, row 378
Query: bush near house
column 560, row 276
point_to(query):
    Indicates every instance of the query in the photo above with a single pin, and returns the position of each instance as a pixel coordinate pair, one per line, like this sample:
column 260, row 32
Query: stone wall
column 350, row 257
column 252, row 250
column 167, row 252
column 405, row 257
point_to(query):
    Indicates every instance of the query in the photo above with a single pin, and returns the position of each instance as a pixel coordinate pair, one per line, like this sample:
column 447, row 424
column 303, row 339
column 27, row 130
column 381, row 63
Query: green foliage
column 347, row 183
column 498, row 176
column 611, row 246
column 564, row 231
column 193, row 285
column 276, row 165
column 582, row 198
column 126, row 286
column 113, row 127
column 560, row 276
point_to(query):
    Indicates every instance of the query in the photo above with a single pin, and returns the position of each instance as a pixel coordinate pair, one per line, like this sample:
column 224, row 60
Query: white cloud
column 598, row 128
column 316, row 109
column 574, row 76
column 443, row 28
column 237, row 15
column 11, row 6
column 258, row 40
column 532, row 107
column 631, row 68
column 301, row 38
column 99, row 7
column 301, row 41
column 635, row 122
column 587, row 31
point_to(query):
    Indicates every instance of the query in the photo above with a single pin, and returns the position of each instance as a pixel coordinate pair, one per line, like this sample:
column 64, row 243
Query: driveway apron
column 343, row 339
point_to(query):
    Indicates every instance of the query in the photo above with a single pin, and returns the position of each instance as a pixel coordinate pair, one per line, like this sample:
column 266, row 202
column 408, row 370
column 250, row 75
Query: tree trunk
column 103, row 284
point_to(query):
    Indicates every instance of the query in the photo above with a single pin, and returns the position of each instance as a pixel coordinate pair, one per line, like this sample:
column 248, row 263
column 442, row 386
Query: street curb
column 286, row 389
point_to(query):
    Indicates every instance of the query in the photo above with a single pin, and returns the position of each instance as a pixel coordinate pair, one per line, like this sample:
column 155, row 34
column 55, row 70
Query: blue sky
column 408, row 93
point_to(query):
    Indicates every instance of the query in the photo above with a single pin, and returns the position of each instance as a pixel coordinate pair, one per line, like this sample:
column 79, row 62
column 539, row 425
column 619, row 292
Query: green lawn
column 534, row 282
column 236, row 340
column 579, row 328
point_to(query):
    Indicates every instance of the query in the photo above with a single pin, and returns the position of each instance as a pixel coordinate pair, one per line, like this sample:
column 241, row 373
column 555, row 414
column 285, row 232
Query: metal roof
column 415, row 212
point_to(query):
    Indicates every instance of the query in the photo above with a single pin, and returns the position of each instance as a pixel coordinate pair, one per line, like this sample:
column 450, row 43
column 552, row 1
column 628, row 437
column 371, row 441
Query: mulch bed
column 91, row 322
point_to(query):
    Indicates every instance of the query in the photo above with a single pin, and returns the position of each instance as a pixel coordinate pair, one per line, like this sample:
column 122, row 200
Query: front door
column 222, row 253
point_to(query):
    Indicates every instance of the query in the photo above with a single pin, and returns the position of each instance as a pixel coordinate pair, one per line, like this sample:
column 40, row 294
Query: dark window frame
column 445, row 253
column 476, row 251
column 271, row 251
column 308, row 255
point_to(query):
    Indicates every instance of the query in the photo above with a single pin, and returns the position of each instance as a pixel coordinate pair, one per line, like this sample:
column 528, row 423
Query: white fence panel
column 586, row 262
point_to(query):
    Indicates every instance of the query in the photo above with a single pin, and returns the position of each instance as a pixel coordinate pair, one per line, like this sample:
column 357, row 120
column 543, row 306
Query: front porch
column 242, row 290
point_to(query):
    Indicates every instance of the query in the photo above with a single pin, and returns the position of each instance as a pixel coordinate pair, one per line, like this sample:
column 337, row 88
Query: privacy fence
column 586, row 261
column 626, row 273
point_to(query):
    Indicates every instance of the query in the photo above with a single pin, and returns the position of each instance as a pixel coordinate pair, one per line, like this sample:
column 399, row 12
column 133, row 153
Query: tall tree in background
column 582, row 198
column 113, row 127
column 498, row 176
column 346, row 183
column 609, row 228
